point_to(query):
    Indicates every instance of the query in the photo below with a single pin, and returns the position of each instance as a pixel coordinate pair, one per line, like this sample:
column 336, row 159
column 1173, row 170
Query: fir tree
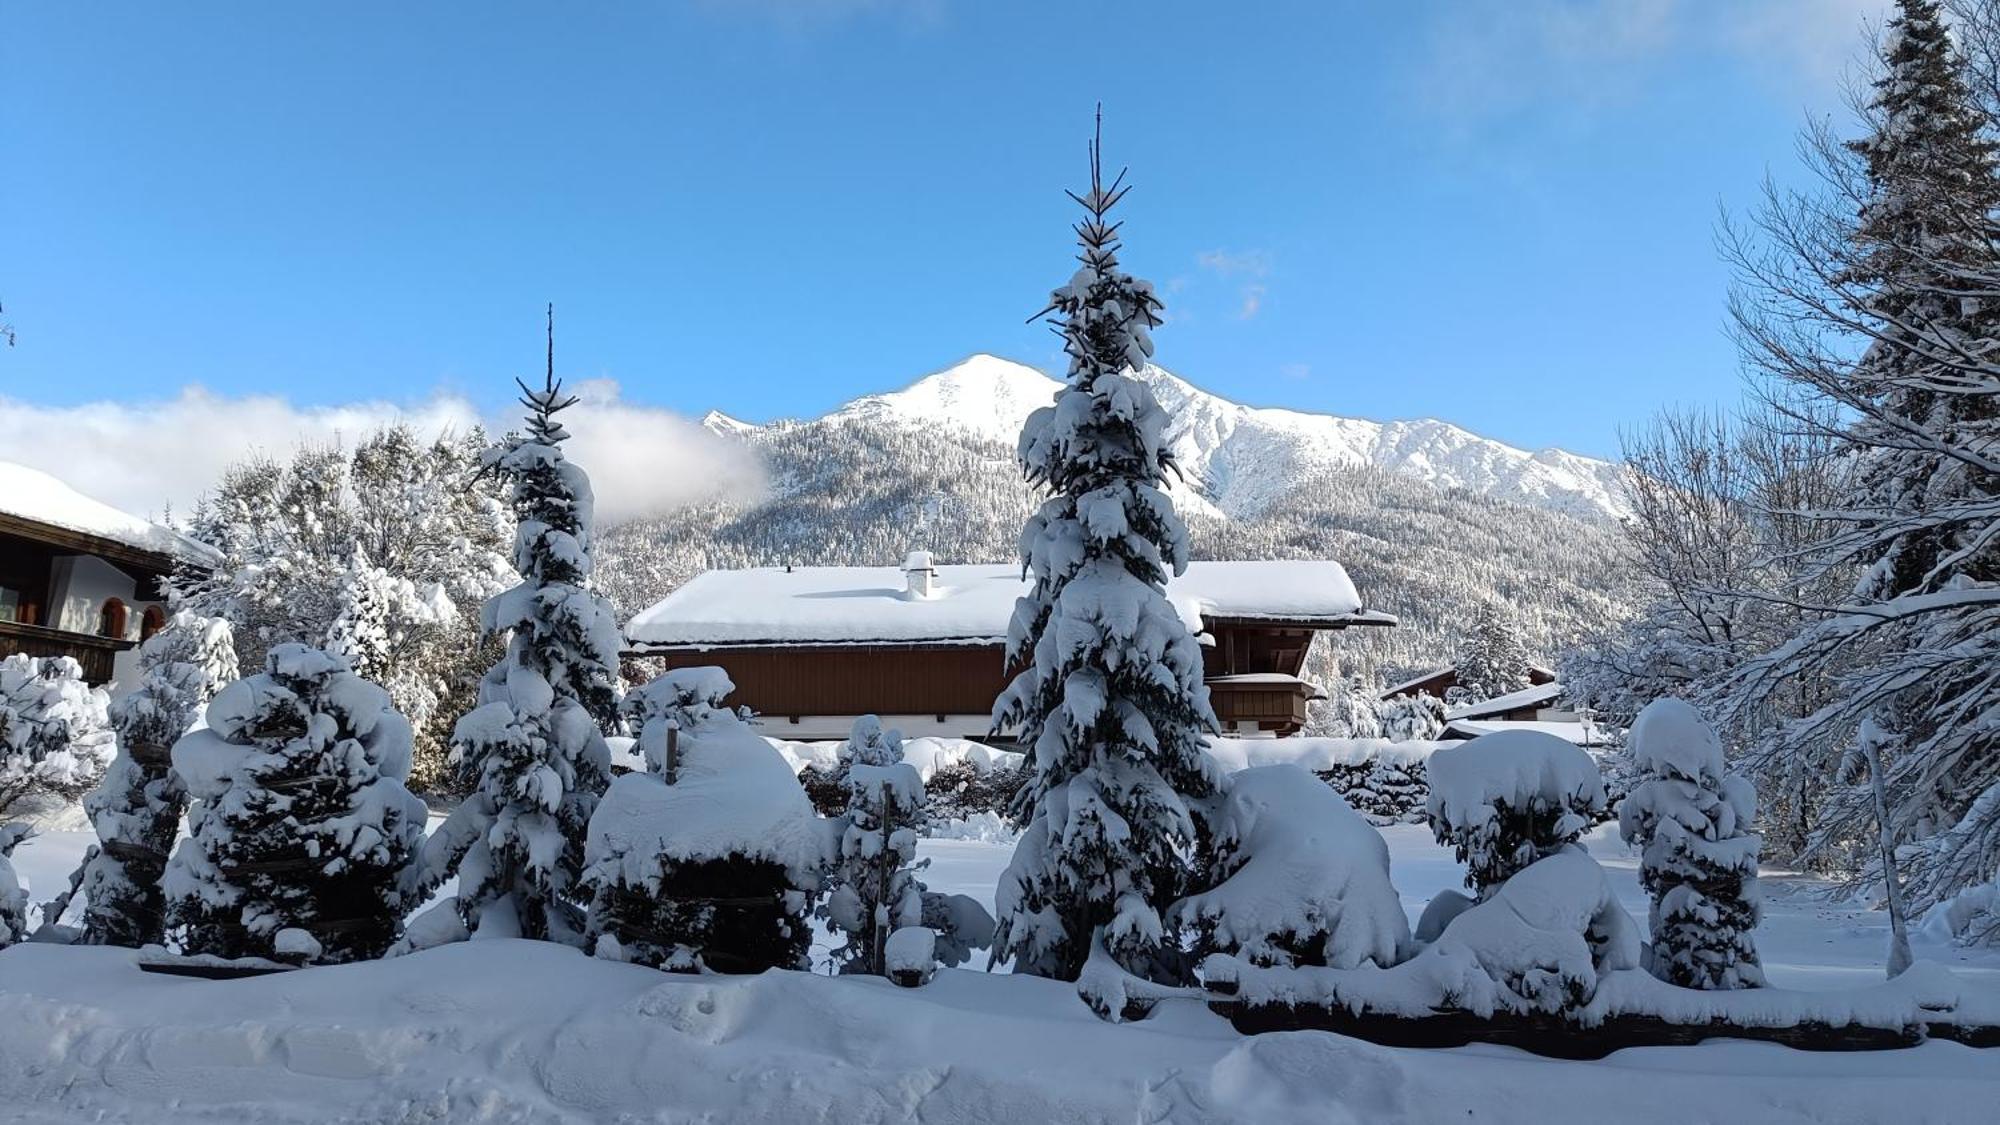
column 533, row 752
column 1111, row 701
column 1898, row 255
column 137, row 809
column 1412, row 718
column 875, row 891
column 1692, row 822
column 302, row 839
column 1492, row 658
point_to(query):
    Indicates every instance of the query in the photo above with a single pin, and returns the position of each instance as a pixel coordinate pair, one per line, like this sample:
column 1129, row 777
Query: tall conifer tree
column 1110, row 700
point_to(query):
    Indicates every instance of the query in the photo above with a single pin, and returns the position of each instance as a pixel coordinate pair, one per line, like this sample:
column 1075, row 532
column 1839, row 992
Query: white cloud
column 150, row 458
column 1251, row 266
column 1487, row 59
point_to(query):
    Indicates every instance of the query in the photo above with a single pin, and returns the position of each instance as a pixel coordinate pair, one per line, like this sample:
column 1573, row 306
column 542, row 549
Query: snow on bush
column 1504, row 801
column 1382, row 791
column 1542, row 943
column 301, row 821
column 1412, row 718
column 910, row 955
column 1302, row 879
column 55, row 730
column 137, row 808
column 13, row 899
column 533, row 751
column 715, row 870
column 1699, row 860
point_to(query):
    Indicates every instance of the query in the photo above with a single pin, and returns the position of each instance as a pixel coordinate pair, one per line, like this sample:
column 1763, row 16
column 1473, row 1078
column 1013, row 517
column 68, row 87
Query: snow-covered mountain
column 1244, row 458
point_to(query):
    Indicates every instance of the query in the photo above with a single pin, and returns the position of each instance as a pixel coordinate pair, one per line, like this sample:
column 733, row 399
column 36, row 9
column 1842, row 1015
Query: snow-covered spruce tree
column 1692, row 819
column 709, row 859
column 302, row 839
column 1110, row 702
column 13, row 899
column 875, row 891
column 1505, row 800
column 55, row 731
column 1412, row 718
column 1879, row 298
column 137, row 809
column 533, row 752
column 1492, row 657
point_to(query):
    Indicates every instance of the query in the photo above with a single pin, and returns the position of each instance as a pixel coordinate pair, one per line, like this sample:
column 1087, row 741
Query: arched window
column 111, row 619
column 152, row 621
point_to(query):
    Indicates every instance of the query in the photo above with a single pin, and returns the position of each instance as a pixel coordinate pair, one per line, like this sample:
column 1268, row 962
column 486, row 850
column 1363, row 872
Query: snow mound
column 1469, row 777
column 1670, row 739
column 1307, row 879
column 1236, row 754
column 735, row 793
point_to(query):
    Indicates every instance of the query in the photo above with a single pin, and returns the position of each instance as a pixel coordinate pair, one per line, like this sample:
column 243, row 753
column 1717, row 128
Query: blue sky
column 1498, row 214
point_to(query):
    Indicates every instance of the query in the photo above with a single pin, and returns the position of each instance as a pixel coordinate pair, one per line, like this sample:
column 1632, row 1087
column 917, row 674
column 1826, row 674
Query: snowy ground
column 519, row 1031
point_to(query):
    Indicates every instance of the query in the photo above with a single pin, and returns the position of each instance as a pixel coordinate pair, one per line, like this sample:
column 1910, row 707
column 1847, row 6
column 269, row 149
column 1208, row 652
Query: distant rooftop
column 970, row 604
column 31, row 494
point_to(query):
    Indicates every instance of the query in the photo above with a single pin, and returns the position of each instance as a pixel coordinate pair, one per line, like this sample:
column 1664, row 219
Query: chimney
column 921, row 575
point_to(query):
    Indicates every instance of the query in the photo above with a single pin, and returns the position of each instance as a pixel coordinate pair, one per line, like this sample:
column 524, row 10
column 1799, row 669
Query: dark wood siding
column 859, row 679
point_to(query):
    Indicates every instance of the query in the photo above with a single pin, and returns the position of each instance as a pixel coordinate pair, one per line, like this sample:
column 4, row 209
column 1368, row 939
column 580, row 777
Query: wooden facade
column 33, row 621
column 1253, row 670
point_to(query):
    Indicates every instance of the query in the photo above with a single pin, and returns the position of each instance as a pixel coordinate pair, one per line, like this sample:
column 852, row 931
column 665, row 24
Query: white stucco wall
column 79, row 585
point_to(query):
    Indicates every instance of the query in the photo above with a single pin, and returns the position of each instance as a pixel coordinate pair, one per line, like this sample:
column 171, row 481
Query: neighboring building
column 81, row 578
column 1439, row 681
column 1539, row 707
column 923, row 646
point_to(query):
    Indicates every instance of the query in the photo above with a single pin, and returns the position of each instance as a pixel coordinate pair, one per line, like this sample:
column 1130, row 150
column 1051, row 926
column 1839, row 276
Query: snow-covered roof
column 1574, row 733
column 971, row 603
column 31, row 494
column 1395, row 690
column 1513, row 701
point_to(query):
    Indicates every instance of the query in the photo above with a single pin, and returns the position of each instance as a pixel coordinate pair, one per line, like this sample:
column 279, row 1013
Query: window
column 154, row 620
column 111, row 619
column 10, row 604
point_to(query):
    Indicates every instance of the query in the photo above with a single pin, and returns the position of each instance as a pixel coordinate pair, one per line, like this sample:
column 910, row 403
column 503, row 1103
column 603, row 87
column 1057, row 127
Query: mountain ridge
column 1241, row 459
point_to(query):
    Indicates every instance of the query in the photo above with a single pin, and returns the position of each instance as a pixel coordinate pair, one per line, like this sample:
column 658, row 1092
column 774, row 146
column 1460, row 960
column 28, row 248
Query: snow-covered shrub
column 137, row 808
column 1350, row 710
column 1412, row 718
column 909, row 956
column 875, row 891
column 13, row 899
column 1301, row 880
column 1111, row 699
column 1538, row 944
column 1383, row 790
column 55, row 730
column 714, row 871
column 1699, row 860
column 963, row 790
column 1504, row 801
column 302, row 836
column 533, row 752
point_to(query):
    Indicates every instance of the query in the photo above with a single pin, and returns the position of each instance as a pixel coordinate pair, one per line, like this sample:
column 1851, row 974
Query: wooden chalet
column 80, row 578
column 1438, row 682
column 923, row 646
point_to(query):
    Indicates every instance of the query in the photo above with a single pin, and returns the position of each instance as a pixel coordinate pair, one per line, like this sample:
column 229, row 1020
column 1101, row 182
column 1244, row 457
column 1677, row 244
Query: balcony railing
column 95, row 653
column 1276, row 703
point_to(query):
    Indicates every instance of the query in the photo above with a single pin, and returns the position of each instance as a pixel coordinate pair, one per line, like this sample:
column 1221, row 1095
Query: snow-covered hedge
column 1504, row 801
column 1303, row 880
column 713, row 871
column 1541, row 943
column 13, row 900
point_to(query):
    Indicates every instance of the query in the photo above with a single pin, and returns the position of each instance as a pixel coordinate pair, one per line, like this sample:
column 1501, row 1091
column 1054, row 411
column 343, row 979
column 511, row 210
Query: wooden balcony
column 93, row 652
column 1276, row 702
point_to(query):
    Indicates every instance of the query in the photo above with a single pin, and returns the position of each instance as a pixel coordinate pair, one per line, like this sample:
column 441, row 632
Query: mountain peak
column 1242, row 458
